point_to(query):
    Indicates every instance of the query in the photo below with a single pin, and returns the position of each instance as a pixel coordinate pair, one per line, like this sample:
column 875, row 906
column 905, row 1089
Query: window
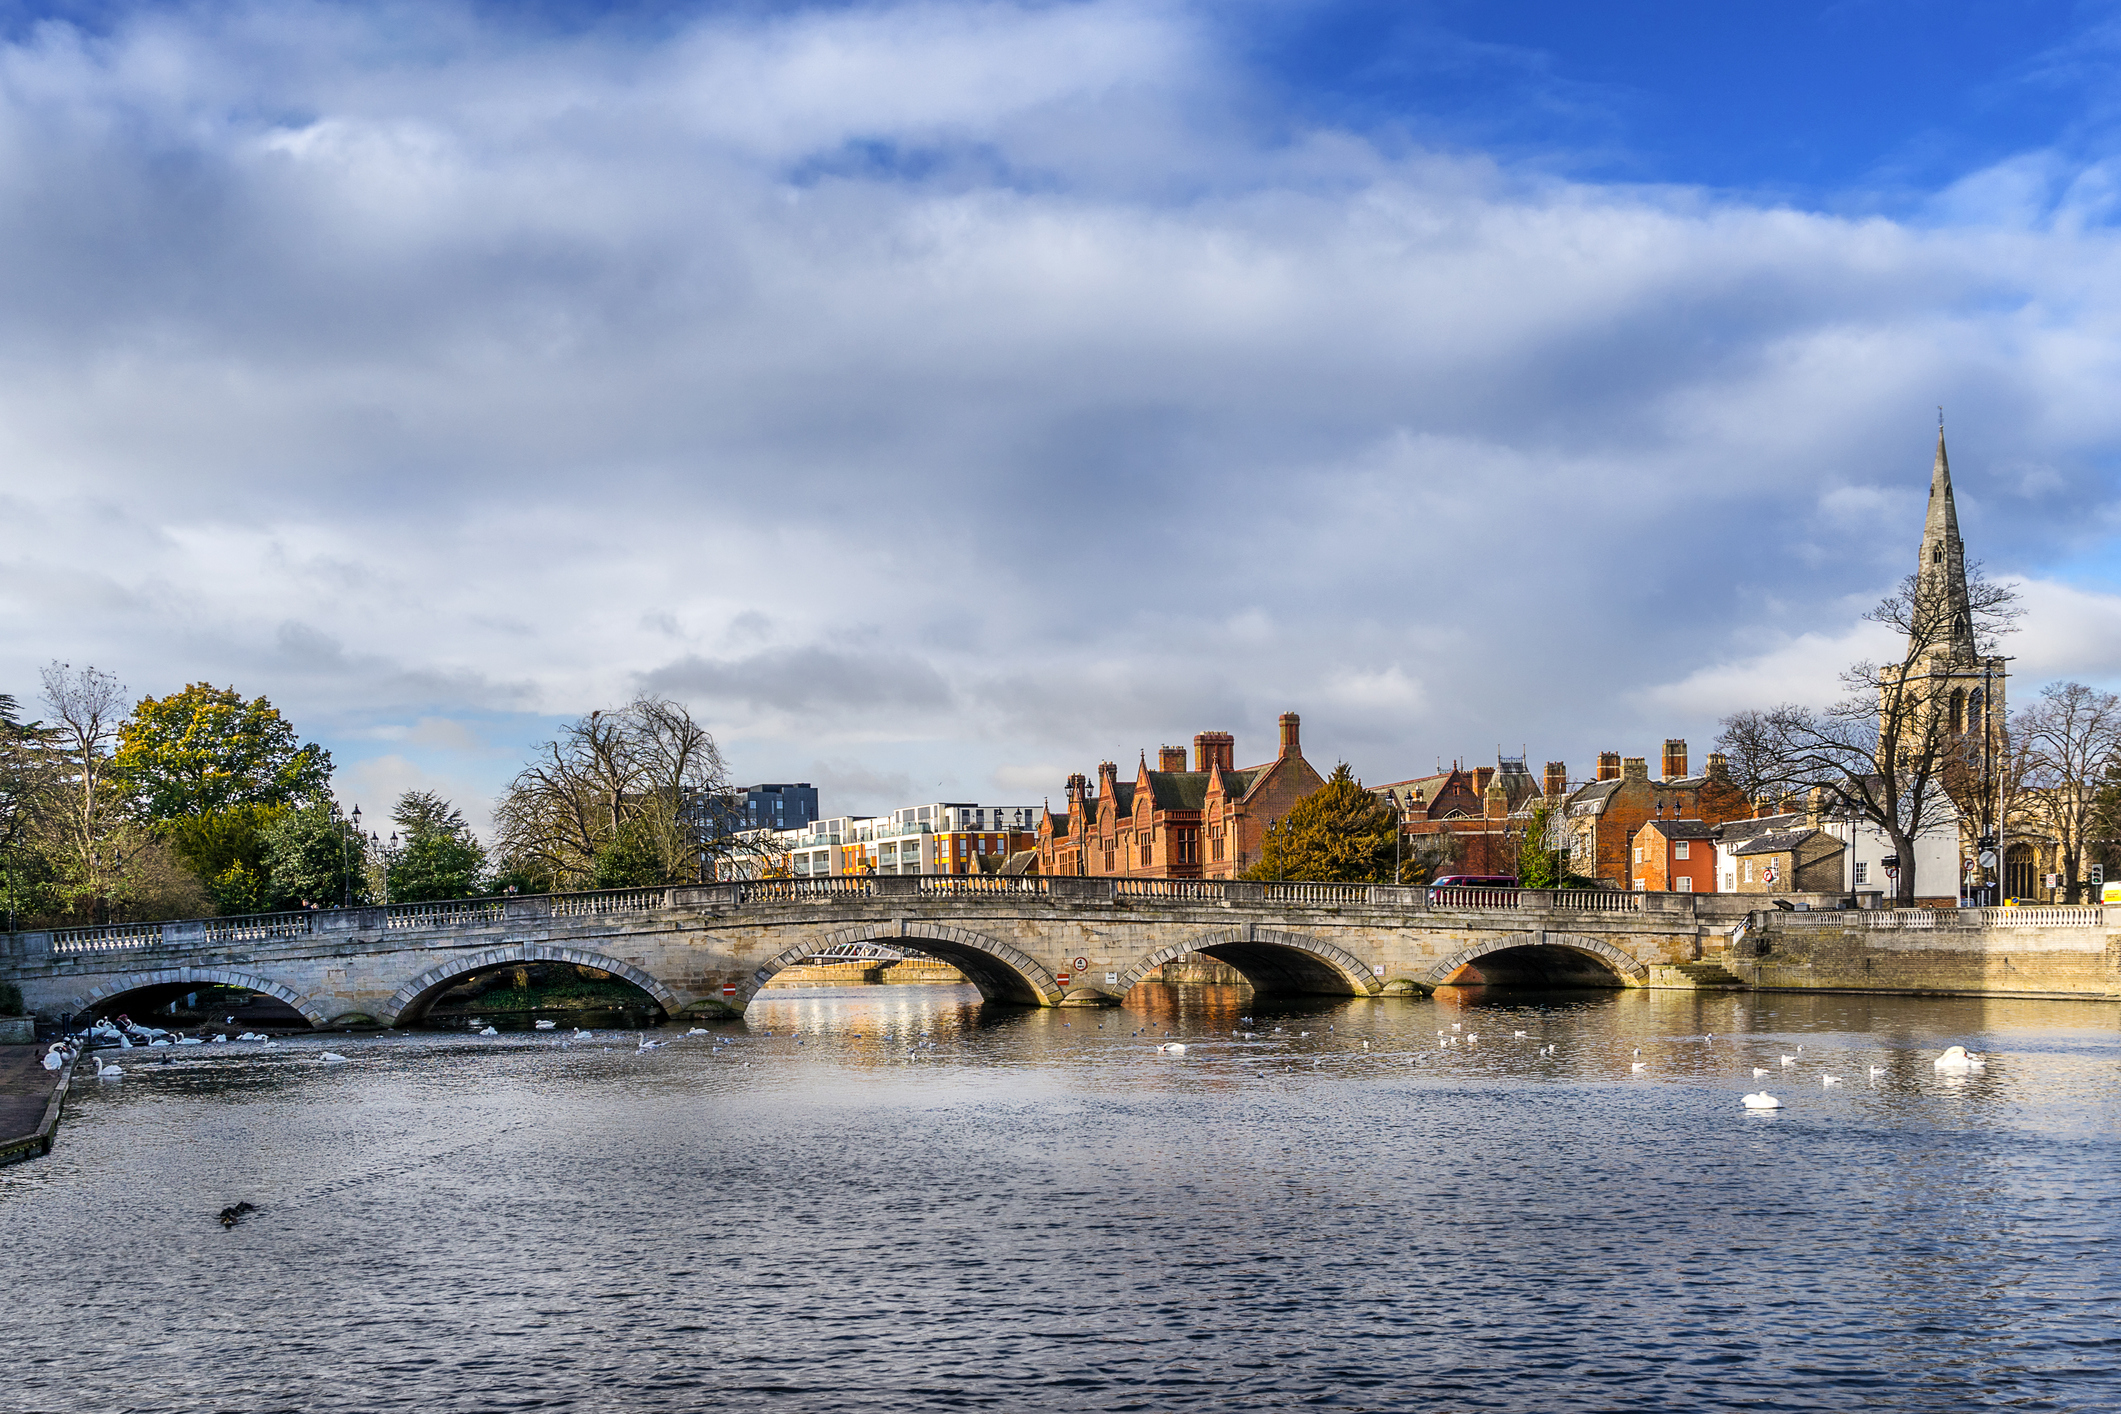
column 1863, row 871
column 1215, row 846
column 1147, row 844
column 1679, row 849
column 1638, row 854
column 1684, row 884
column 1747, row 870
column 1729, row 880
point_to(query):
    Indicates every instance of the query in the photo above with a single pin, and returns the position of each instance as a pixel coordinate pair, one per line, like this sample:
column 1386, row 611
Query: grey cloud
column 812, row 682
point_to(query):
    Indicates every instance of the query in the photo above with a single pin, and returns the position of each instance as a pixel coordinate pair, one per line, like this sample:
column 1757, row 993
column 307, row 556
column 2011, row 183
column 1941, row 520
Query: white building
column 944, row 837
column 1865, row 848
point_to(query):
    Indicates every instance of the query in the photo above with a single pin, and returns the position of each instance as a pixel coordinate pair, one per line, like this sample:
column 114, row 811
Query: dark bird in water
column 229, row 1215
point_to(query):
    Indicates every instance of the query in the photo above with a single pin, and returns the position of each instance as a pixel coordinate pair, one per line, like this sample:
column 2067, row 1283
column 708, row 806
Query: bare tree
column 1896, row 749
column 86, row 707
column 646, row 777
column 2067, row 739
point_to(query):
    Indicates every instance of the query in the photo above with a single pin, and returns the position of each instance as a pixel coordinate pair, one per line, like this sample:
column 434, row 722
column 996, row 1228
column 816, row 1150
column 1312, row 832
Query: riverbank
column 30, row 1100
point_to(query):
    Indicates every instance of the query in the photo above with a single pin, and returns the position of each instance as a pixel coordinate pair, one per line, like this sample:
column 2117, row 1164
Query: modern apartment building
column 943, row 837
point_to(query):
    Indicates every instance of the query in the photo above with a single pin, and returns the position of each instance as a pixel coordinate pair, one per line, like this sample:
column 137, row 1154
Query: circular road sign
column 1081, row 963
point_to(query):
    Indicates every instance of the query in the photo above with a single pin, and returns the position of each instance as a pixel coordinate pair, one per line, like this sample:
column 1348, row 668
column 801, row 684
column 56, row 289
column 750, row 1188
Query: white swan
column 581, row 1035
column 1176, row 1048
column 1829, row 1080
column 1758, row 1072
column 547, row 1025
column 158, row 1043
column 1457, row 1026
column 1472, row 1035
column 697, row 1031
column 189, row 1041
column 1959, row 1058
column 331, row 1056
column 218, row 1040
column 1639, row 1066
column 489, row 1031
column 1762, row 1101
column 53, row 1060
column 1789, row 1060
column 1522, row 1034
column 108, row 1072
column 1877, row 1070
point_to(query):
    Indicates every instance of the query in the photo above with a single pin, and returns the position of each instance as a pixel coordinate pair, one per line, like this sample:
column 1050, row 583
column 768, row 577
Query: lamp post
column 346, row 852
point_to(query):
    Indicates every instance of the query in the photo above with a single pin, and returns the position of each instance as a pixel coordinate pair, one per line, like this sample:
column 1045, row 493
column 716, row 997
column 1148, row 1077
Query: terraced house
column 1209, row 822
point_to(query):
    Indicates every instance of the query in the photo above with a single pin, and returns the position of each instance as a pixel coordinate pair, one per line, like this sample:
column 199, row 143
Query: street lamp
column 346, row 874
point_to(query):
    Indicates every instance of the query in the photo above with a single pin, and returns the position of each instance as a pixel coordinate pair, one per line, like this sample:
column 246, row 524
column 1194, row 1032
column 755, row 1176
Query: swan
column 1877, row 1070
column 1789, row 1060
column 189, row 1041
column 1959, row 1058
column 1522, row 1034
column 219, row 1040
column 108, row 1072
column 1758, row 1072
column 1176, row 1048
column 546, row 1025
column 581, row 1035
column 1472, row 1035
column 1638, row 1050
column 330, row 1057
column 1457, row 1026
column 1639, row 1066
column 53, row 1060
column 158, row 1043
column 1829, row 1080
column 489, row 1031
column 1762, row 1101
column 697, row 1031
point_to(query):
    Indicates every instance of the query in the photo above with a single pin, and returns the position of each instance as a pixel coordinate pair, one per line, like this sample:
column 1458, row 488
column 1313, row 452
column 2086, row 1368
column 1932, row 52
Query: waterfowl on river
column 1958, row 1058
column 108, row 1072
column 1762, row 1101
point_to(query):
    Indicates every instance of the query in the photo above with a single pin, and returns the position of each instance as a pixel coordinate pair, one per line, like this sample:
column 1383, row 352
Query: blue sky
column 942, row 397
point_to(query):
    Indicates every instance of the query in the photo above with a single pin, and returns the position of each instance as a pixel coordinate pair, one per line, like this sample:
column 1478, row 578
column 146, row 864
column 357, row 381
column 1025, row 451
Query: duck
column 1762, row 1101
column 1959, row 1058
column 230, row 1214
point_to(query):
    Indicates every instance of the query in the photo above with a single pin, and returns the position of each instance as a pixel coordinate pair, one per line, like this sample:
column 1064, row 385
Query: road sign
column 1111, row 979
column 729, row 989
column 1081, row 963
column 1062, row 979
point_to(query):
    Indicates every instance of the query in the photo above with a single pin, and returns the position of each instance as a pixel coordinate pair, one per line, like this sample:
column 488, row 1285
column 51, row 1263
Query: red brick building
column 1484, row 813
column 1171, row 823
column 1675, row 856
column 1603, row 818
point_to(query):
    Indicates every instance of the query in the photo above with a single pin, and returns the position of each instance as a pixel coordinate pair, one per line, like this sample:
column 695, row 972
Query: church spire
column 1940, row 578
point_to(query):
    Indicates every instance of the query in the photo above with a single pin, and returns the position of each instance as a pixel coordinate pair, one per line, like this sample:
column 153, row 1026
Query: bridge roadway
column 707, row 949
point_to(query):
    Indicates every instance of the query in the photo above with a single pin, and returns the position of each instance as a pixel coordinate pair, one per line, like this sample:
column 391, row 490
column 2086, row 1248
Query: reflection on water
column 894, row 1198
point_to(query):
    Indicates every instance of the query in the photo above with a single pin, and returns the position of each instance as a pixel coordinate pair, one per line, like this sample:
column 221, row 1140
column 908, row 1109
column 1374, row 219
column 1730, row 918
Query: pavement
column 25, row 1093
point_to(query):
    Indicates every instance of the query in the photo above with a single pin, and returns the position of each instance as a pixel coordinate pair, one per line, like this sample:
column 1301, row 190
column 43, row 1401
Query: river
column 892, row 1198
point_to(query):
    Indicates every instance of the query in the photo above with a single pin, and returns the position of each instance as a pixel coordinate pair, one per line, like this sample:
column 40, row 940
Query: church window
column 1937, row 555
column 1958, row 712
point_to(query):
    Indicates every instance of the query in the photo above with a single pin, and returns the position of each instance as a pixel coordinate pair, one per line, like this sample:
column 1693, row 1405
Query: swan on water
column 489, row 1031
column 1762, row 1101
column 1522, row 1034
column 1789, row 1060
column 1959, row 1058
column 697, row 1031
column 1758, row 1072
column 1877, row 1070
column 1457, row 1026
column 1472, row 1035
column 331, row 1056
column 581, row 1035
column 1829, row 1080
column 546, row 1025
column 1176, row 1048
column 108, row 1072
column 189, row 1041
column 1639, row 1065
column 218, row 1040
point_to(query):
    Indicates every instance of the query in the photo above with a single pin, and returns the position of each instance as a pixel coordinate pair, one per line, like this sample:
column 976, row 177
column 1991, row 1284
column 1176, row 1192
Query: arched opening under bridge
column 201, row 997
column 1001, row 972
column 513, row 988
column 1539, row 962
column 1273, row 963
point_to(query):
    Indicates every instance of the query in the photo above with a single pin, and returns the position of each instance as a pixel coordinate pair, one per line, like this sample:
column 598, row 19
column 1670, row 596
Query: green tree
column 438, row 856
column 632, row 859
column 207, row 749
column 238, row 889
column 313, row 856
column 214, row 842
column 1541, row 862
column 1339, row 833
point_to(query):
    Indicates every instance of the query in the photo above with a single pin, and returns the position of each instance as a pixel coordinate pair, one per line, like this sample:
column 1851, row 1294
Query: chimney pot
column 1289, row 744
column 1170, row 758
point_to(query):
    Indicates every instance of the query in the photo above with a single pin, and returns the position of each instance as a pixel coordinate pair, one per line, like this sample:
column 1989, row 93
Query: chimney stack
column 1289, row 746
column 1212, row 749
column 1674, row 757
column 1635, row 768
column 1170, row 758
column 1495, row 803
column 1557, row 784
column 1719, row 766
column 1608, row 765
column 1481, row 776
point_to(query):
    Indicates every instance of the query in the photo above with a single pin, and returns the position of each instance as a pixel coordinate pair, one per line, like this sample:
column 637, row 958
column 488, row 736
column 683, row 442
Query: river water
column 891, row 1198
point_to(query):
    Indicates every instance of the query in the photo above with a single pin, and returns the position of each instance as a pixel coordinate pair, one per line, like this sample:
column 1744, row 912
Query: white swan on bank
column 331, row 1057
column 1762, row 1101
column 489, row 1031
column 1959, row 1058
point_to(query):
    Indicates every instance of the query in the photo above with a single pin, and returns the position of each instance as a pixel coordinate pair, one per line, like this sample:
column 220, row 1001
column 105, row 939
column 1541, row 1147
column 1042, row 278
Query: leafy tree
column 439, row 857
column 84, row 808
column 238, row 889
column 313, row 856
column 1541, row 862
column 631, row 860
column 2068, row 739
column 207, row 749
column 213, row 842
column 1339, row 833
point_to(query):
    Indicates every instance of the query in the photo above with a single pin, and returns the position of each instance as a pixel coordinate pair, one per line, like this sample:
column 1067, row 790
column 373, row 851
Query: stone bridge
column 707, row 949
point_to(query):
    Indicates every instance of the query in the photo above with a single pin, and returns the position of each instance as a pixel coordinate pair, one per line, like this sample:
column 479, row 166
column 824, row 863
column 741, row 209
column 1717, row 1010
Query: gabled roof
column 1178, row 790
column 1734, row 832
column 1022, row 861
column 1783, row 841
column 1591, row 799
column 1682, row 829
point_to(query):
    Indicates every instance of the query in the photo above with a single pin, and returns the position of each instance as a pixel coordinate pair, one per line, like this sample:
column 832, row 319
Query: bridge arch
column 410, row 1002
column 1274, row 962
column 1542, row 959
column 1001, row 972
column 100, row 997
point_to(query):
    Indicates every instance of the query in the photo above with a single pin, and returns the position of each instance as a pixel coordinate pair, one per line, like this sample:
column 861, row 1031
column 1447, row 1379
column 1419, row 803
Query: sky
column 939, row 398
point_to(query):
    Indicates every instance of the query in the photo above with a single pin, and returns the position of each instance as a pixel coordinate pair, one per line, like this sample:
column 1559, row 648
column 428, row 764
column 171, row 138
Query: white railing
column 2055, row 916
column 2060, row 916
column 443, row 912
column 981, row 884
column 1472, row 898
column 1169, row 888
column 1317, row 893
column 1598, row 900
column 255, row 926
column 796, row 890
column 118, row 937
column 606, row 901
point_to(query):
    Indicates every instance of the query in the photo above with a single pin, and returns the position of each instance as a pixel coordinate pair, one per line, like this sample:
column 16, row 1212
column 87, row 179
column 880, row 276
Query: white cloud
column 940, row 389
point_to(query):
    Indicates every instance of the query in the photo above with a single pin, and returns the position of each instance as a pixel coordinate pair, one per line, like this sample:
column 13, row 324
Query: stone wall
column 1815, row 955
